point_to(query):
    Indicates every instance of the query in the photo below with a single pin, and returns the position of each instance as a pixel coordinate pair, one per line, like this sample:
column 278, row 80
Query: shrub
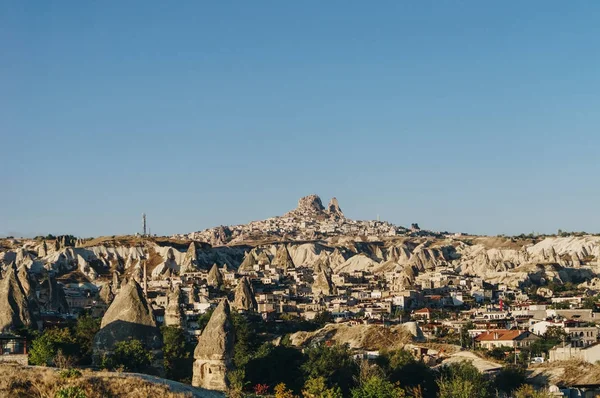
column 69, row 373
column 71, row 392
column 129, row 355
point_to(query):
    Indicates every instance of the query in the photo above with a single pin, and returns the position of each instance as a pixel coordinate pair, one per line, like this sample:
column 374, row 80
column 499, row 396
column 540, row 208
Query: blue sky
column 469, row 116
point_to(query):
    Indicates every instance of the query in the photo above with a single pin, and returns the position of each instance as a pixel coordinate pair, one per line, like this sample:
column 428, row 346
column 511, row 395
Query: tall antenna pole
column 144, row 224
column 146, row 279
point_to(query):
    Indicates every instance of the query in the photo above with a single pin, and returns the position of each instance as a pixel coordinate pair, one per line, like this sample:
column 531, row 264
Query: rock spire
column 215, row 276
column 214, row 352
column 244, row 296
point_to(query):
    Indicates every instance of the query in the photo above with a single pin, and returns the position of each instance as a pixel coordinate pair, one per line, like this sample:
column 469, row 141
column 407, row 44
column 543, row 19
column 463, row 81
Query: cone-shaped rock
column 322, row 282
column 214, row 352
column 128, row 317
column 215, row 277
column 173, row 312
column 248, row 264
column 57, row 299
column 14, row 305
column 263, row 259
column 106, row 294
column 244, row 296
column 282, row 259
column 190, row 261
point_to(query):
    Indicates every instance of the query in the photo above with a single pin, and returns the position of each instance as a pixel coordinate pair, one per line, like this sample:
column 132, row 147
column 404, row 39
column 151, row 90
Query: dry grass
column 38, row 382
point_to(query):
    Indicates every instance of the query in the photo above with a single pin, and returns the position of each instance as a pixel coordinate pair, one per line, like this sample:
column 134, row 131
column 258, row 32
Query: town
column 444, row 298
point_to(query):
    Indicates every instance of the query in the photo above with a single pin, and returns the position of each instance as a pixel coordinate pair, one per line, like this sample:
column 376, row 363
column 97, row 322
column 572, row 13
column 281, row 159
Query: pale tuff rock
column 106, row 294
column 544, row 292
column 282, row 259
column 308, row 206
column 167, row 266
column 244, row 299
column 322, row 284
column 219, row 236
column 28, row 285
column 249, row 261
column 128, row 317
column 263, row 259
column 14, row 306
column 174, row 315
column 190, row 261
column 56, row 298
column 116, row 284
column 334, row 208
column 214, row 352
column 43, row 249
column 215, row 277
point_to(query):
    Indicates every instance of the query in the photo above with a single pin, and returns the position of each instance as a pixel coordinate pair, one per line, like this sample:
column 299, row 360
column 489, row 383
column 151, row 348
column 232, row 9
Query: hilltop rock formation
column 174, row 313
column 128, row 317
column 214, row 352
column 14, row 303
column 308, row 206
column 244, row 299
column 215, row 277
column 334, row 208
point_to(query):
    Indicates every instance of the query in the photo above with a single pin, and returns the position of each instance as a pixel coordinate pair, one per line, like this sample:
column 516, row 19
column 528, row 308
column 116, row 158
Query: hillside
column 33, row 381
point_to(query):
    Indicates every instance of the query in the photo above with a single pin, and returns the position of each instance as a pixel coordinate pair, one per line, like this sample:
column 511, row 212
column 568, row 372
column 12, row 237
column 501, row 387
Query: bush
column 130, row 356
column 335, row 364
column 69, row 373
column 377, row 387
column 71, row 392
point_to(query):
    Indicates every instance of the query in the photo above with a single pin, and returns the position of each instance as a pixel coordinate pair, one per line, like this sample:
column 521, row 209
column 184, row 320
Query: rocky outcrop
column 334, row 208
column 14, row 303
column 174, row 315
column 244, row 299
column 190, row 261
column 322, row 284
column 247, row 265
column 308, row 206
column 214, row 352
column 128, row 317
column 282, row 259
column 215, row 277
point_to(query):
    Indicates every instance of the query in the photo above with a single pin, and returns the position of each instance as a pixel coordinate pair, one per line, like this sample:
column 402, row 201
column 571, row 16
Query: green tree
column 334, row 363
column 84, row 331
column 464, row 379
column 509, row 378
column 265, row 367
column 45, row 347
column 527, row 391
column 315, row 387
column 177, row 358
column 129, row 355
column 402, row 367
column 323, row 317
column 377, row 387
column 456, row 388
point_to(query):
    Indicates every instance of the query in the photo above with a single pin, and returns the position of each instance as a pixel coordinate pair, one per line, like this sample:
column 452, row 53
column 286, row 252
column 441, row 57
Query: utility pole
column 146, row 279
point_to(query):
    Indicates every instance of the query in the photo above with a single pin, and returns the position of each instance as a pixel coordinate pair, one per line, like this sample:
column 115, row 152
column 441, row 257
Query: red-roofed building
column 423, row 313
column 505, row 338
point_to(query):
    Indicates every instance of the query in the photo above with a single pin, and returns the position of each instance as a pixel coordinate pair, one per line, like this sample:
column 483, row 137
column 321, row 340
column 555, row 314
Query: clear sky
column 471, row 116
